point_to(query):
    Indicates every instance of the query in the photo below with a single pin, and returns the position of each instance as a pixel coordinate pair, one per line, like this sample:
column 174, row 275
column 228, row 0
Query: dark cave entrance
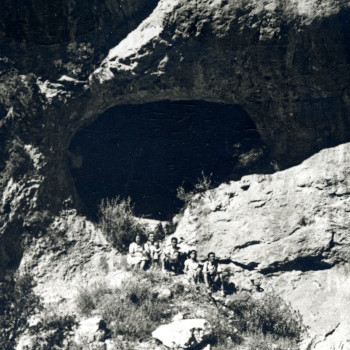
column 147, row 151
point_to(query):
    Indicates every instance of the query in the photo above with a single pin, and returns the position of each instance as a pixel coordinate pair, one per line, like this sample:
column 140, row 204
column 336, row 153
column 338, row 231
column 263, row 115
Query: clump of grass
column 132, row 310
column 135, row 311
column 269, row 322
column 273, row 315
column 118, row 222
column 53, row 331
column 89, row 298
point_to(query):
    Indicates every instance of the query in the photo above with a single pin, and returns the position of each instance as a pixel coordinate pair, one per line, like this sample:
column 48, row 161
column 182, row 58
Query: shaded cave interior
column 147, row 151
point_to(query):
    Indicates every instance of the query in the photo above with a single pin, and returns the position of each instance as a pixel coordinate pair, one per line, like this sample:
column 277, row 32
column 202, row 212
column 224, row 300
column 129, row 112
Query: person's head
column 174, row 242
column 151, row 237
column 211, row 256
column 138, row 239
column 193, row 254
column 156, row 244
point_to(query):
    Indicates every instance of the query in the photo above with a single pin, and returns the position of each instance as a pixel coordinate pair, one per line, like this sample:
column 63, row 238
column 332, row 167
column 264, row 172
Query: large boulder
column 184, row 334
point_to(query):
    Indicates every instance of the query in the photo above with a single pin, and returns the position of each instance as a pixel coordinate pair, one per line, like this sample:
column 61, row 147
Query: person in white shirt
column 137, row 256
column 192, row 267
column 148, row 246
column 212, row 274
column 171, row 257
column 150, row 242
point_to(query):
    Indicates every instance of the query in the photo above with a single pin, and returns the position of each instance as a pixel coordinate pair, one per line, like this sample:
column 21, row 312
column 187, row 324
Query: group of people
column 172, row 260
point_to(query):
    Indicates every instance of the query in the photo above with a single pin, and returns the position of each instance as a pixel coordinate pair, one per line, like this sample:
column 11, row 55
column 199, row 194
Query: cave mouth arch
column 147, row 151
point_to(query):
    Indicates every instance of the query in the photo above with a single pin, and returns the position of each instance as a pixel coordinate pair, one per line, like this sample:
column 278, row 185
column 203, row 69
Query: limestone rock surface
column 184, row 334
column 289, row 232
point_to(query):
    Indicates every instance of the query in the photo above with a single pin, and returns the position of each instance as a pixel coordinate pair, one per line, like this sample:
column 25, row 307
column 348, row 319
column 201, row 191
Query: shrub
column 204, row 183
column 132, row 310
column 273, row 315
column 262, row 324
column 53, row 331
column 118, row 223
column 17, row 304
column 89, row 298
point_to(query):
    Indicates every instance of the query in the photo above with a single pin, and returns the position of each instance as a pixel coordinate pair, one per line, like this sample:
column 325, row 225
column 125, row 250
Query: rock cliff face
column 285, row 63
column 288, row 231
column 266, row 56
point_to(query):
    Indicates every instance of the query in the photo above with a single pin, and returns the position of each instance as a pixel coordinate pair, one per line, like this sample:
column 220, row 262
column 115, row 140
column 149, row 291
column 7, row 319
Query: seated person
column 172, row 257
column 212, row 274
column 192, row 267
column 137, row 256
column 148, row 246
column 155, row 254
column 150, row 242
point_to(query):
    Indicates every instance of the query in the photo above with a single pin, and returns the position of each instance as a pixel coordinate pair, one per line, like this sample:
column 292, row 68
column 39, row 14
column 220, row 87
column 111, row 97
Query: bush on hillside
column 132, row 310
column 89, row 298
column 204, row 183
column 269, row 321
column 274, row 315
column 53, row 332
column 17, row 303
column 118, row 222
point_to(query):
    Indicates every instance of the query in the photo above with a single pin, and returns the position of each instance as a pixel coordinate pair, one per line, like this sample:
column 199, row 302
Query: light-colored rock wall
column 289, row 232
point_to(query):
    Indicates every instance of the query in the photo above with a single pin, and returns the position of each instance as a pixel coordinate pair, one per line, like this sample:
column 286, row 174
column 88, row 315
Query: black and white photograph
column 174, row 175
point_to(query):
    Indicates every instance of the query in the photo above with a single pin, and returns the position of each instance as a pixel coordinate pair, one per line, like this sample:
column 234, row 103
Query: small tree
column 118, row 223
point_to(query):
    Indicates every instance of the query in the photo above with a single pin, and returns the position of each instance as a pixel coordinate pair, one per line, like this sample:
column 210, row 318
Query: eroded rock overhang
column 271, row 58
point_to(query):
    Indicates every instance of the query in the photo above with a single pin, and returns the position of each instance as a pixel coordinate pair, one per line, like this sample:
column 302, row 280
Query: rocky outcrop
column 288, row 231
column 184, row 334
column 266, row 56
column 65, row 37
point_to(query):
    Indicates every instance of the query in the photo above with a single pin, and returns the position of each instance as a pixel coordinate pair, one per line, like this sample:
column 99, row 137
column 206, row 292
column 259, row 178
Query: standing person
column 192, row 267
column 156, row 253
column 137, row 256
column 171, row 257
column 212, row 274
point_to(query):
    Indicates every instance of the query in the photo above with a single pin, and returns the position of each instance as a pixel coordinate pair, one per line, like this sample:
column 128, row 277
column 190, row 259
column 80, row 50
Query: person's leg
column 142, row 264
column 164, row 265
column 219, row 282
column 177, row 267
column 209, row 282
column 196, row 276
column 215, row 280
